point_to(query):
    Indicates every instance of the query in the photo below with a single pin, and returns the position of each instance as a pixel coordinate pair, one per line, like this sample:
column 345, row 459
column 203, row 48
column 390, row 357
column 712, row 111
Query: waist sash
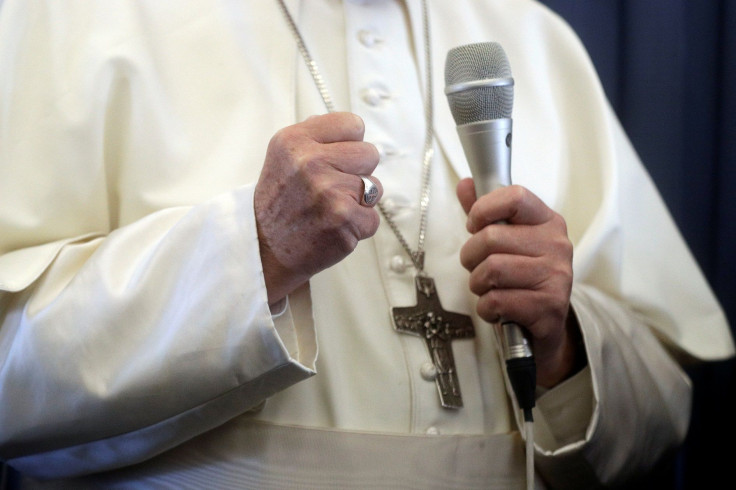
column 264, row 456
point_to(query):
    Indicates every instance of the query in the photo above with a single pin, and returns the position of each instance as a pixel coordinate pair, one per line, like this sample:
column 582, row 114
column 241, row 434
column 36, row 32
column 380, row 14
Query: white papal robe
column 136, row 342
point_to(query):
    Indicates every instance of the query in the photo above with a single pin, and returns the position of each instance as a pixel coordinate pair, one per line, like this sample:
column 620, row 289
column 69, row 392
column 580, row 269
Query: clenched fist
column 308, row 199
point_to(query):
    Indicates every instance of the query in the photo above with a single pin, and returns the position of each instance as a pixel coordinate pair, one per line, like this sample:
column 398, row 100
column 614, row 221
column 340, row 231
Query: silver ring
column 370, row 192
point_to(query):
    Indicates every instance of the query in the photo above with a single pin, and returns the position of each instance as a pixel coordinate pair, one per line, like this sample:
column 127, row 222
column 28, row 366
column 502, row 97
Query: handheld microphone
column 480, row 91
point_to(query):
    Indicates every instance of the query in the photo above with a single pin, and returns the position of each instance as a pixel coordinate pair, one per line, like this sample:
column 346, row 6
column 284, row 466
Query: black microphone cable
column 522, row 372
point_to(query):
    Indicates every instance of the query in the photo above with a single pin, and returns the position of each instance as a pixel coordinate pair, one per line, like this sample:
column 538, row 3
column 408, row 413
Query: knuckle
column 310, row 162
column 553, row 274
column 559, row 224
column 518, row 195
column 285, row 139
column 488, row 235
column 564, row 249
column 339, row 210
column 557, row 310
column 322, row 190
column 559, row 221
column 488, row 307
column 347, row 239
column 374, row 220
column 559, row 242
column 280, row 136
column 465, row 257
column 475, row 285
column 491, row 274
column 560, row 281
column 340, row 233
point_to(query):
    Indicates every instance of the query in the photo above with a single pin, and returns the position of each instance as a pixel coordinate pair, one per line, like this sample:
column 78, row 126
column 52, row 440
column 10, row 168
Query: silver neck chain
column 417, row 256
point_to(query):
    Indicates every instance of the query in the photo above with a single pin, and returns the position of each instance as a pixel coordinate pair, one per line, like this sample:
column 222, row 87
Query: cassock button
column 428, row 371
column 398, row 264
column 368, row 38
column 385, row 150
column 373, row 96
column 381, row 151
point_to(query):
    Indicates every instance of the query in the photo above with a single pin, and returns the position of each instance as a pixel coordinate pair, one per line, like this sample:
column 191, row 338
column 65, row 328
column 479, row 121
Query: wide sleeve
column 133, row 308
column 642, row 302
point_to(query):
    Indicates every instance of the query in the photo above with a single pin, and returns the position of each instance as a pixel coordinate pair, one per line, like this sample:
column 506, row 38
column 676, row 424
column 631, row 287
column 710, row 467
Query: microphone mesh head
column 474, row 62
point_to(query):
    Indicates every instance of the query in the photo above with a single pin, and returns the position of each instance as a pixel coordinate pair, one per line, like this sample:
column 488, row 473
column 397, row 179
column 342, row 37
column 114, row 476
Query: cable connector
column 522, row 373
column 520, row 366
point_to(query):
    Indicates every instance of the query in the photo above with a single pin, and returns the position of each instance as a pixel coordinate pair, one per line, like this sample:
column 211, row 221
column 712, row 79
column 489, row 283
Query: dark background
column 669, row 70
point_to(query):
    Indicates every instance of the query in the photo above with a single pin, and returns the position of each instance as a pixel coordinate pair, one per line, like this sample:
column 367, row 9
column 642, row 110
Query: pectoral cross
column 438, row 327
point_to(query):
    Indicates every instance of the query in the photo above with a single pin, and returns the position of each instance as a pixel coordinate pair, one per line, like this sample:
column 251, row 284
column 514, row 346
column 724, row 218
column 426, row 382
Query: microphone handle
column 487, row 146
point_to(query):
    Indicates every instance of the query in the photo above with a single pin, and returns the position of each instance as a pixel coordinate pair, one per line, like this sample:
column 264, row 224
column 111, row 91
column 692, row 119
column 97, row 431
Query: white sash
column 247, row 454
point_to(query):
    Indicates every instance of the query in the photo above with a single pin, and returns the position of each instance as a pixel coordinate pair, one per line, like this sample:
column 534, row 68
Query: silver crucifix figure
column 438, row 327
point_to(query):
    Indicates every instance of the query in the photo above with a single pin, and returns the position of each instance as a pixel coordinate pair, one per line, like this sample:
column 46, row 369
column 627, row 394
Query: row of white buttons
column 372, row 96
column 375, row 96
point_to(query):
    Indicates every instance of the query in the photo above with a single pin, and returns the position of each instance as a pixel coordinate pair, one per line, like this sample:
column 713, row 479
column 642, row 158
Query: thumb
column 466, row 194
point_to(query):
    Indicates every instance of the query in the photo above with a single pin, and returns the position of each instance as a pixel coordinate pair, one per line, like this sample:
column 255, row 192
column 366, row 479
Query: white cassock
column 135, row 330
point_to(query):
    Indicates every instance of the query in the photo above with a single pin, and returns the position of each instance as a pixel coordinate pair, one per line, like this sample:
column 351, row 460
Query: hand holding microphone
column 519, row 256
column 521, row 270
